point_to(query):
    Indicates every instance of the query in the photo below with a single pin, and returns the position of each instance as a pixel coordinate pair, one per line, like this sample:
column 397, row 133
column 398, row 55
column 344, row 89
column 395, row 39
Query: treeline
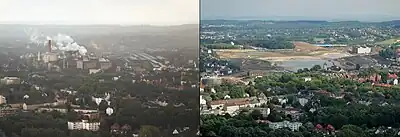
column 51, row 124
column 244, row 125
column 221, row 46
column 389, row 52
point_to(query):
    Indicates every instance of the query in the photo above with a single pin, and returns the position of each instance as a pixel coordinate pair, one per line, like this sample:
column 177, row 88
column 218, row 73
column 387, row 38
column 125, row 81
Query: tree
column 82, row 133
column 351, row 131
column 149, row 131
column 316, row 68
column 103, row 106
column 256, row 114
column 275, row 100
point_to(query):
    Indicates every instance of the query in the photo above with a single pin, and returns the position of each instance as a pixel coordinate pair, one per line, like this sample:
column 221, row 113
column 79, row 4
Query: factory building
column 105, row 63
column 50, row 56
column 10, row 80
column 361, row 50
column 86, row 64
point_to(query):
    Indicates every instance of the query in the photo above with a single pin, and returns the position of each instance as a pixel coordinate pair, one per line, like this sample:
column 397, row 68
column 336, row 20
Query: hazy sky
column 368, row 10
column 154, row 12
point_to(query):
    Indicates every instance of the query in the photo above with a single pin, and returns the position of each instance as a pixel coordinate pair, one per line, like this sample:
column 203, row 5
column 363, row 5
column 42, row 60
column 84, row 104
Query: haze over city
column 125, row 12
column 331, row 10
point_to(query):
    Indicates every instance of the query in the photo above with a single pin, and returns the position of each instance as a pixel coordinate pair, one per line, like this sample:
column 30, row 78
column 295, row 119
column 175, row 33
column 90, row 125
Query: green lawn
column 388, row 42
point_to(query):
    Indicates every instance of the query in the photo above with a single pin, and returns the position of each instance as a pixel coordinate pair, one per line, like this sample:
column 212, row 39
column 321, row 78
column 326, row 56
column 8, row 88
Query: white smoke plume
column 66, row 43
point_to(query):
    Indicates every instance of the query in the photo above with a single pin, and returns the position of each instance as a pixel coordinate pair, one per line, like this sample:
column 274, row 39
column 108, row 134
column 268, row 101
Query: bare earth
column 302, row 50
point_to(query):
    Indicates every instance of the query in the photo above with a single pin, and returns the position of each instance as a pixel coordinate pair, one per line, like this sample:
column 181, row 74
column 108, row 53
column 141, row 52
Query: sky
column 126, row 12
column 362, row 10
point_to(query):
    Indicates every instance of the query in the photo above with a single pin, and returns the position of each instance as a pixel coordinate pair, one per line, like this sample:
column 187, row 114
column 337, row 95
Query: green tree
column 149, row 131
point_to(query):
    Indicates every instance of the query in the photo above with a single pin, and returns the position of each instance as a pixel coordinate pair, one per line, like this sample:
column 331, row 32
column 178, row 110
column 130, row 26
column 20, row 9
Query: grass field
column 388, row 42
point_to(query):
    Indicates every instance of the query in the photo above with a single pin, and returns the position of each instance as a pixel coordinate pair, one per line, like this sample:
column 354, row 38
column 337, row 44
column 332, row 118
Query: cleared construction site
column 280, row 58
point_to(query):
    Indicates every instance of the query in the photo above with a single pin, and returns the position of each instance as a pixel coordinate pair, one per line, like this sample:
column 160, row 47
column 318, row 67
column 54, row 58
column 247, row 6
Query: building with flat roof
column 294, row 126
column 10, row 80
column 362, row 50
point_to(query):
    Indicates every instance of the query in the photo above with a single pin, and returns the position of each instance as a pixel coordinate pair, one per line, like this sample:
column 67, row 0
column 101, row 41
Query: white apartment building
column 84, row 125
column 286, row 124
column 86, row 111
column 362, row 50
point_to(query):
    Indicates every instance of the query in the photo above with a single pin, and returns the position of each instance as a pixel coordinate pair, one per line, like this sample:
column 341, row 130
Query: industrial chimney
column 49, row 45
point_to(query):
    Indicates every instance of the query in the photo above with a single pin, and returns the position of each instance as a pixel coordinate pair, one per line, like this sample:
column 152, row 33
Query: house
column 93, row 115
column 84, row 125
column 264, row 111
column 392, row 79
column 202, row 100
column 303, row 101
column 94, row 71
column 294, row 126
column 115, row 128
column 328, row 128
column 307, row 79
column 3, row 100
column 294, row 113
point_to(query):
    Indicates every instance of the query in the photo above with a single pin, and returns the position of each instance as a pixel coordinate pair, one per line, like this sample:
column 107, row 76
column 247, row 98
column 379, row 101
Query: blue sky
column 363, row 10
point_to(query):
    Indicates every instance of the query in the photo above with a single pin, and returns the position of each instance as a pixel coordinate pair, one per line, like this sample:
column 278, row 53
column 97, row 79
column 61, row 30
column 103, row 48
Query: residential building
column 85, row 111
column 303, row 101
column 231, row 106
column 84, row 125
column 93, row 71
column 10, row 80
column 203, row 102
column 94, row 115
column 62, row 110
column 116, row 129
column 294, row 126
column 3, row 100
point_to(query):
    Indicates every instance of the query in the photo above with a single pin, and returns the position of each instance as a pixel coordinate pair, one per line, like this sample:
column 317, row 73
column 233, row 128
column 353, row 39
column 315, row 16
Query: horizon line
column 326, row 20
column 96, row 24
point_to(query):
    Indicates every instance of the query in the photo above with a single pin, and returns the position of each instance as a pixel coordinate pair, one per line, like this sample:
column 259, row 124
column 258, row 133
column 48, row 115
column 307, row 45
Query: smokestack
column 49, row 45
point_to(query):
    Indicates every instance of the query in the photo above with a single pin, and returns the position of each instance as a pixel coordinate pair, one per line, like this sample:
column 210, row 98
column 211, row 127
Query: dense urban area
column 299, row 78
column 98, row 81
